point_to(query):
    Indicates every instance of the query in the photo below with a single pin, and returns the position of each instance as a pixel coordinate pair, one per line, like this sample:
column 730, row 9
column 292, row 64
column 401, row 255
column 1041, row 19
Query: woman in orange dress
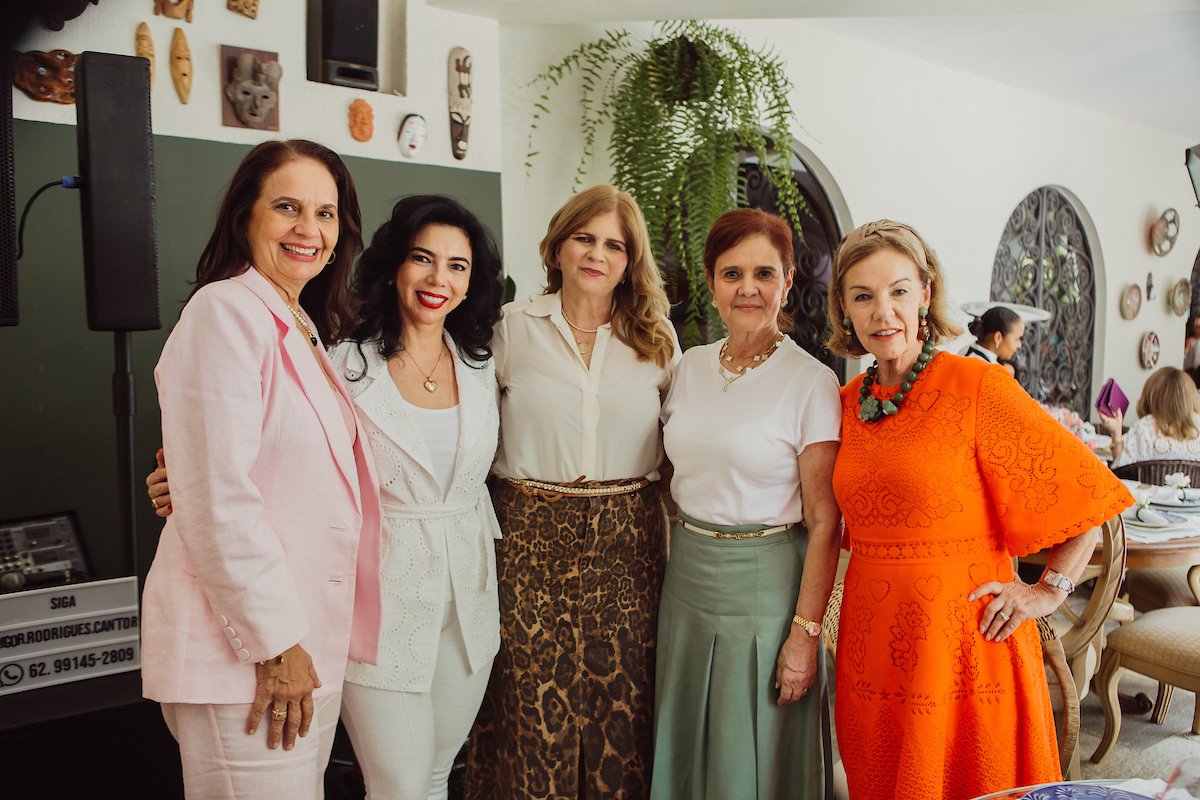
column 947, row 470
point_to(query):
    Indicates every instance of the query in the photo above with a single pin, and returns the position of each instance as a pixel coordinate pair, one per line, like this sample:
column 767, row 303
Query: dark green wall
column 57, row 430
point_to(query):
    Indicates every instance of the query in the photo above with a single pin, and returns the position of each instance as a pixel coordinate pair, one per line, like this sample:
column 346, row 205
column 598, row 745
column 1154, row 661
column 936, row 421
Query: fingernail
column 288, row 746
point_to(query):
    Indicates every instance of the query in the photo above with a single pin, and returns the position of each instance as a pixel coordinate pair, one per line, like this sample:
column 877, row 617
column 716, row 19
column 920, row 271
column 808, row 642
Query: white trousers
column 220, row 762
column 405, row 742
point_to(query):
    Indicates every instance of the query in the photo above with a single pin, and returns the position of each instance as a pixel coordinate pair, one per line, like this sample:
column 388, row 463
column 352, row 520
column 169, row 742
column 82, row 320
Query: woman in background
column 1168, row 424
column 266, row 575
column 582, row 371
column 997, row 333
column 751, row 427
column 947, row 469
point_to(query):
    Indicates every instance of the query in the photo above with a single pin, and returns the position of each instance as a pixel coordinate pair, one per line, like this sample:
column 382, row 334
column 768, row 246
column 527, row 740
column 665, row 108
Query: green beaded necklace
column 870, row 409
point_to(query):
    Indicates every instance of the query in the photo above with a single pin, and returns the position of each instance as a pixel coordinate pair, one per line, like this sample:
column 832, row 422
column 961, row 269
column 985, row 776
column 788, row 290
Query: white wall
column 947, row 152
column 307, row 110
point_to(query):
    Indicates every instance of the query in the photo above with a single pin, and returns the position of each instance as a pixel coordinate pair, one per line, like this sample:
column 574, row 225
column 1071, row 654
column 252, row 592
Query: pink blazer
column 275, row 534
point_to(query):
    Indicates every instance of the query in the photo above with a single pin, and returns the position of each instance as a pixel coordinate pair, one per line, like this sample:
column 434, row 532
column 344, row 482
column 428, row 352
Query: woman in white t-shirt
column 751, row 426
column 582, row 371
column 1168, row 424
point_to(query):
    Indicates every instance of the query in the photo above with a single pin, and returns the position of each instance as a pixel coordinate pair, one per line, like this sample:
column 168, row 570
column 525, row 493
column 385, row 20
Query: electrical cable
column 67, row 182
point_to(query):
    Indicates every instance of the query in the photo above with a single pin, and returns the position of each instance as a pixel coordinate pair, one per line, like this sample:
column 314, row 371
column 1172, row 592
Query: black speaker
column 8, row 202
column 343, row 42
column 116, row 165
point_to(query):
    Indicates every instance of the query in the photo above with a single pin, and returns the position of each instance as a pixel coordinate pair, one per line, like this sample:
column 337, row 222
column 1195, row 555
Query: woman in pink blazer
column 267, row 574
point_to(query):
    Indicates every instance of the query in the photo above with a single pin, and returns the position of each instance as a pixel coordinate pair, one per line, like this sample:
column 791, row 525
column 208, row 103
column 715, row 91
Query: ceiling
column 1137, row 60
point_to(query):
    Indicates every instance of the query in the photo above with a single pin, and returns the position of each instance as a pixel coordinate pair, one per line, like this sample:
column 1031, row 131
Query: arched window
column 821, row 230
column 1044, row 260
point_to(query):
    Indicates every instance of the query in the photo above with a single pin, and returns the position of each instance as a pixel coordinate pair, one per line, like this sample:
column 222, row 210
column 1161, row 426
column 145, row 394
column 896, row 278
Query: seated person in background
column 1191, row 353
column 998, row 335
column 1168, row 424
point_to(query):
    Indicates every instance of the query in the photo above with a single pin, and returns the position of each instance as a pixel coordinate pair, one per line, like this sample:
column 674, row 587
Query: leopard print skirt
column 568, row 709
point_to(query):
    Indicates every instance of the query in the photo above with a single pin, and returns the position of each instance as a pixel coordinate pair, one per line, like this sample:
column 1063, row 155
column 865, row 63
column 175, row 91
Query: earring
column 923, row 333
column 712, row 303
column 332, row 256
column 847, row 324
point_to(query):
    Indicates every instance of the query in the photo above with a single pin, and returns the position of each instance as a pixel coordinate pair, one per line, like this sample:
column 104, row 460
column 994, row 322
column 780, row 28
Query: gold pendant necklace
column 579, row 343
column 430, row 384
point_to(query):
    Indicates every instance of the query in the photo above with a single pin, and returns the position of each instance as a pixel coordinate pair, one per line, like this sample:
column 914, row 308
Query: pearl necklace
column 312, row 337
column 870, row 409
column 740, row 371
column 582, row 345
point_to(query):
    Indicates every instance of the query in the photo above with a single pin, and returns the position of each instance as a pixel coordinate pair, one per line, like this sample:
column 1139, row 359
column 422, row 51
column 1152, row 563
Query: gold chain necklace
column 430, row 384
column 738, row 372
column 582, row 345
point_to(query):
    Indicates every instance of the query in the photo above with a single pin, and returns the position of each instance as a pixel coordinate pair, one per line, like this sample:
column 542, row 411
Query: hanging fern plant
column 680, row 105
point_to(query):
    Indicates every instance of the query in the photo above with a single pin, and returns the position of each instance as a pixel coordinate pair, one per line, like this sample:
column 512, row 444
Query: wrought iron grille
column 1044, row 260
column 814, row 251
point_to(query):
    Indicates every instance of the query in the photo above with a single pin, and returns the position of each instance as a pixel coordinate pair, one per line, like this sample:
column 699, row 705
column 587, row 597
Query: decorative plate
column 1181, row 297
column 1131, row 301
column 1148, row 354
column 1164, row 231
column 1063, row 791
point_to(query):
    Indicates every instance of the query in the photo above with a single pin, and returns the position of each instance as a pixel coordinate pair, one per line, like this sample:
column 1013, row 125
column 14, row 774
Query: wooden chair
column 1160, row 644
column 1154, row 470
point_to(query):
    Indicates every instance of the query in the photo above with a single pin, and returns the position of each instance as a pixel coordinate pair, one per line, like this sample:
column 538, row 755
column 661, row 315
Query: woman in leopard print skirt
column 582, row 371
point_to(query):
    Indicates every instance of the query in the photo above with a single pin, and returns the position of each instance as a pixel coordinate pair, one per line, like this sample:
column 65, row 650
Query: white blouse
column 735, row 452
column 1143, row 442
column 560, row 420
column 974, row 349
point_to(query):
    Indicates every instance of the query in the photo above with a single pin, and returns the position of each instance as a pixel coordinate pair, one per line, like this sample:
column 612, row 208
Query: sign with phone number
column 68, row 633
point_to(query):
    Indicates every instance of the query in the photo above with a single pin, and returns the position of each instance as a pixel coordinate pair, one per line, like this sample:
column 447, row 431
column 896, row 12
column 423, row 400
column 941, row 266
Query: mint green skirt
column 726, row 609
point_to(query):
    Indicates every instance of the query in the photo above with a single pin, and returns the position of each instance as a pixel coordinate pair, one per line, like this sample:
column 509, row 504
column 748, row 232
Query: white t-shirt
column 1143, row 442
column 560, row 420
column 439, row 428
column 735, row 452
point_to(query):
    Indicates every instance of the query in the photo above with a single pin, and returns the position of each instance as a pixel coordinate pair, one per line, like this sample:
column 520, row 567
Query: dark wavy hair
column 996, row 319
column 470, row 323
column 227, row 254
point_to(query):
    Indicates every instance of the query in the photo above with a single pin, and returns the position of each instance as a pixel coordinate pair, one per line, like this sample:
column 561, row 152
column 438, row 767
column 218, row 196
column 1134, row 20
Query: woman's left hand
column 796, row 667
column 1013, row 603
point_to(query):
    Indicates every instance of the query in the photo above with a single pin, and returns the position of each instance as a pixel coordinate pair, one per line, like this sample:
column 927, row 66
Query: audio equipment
column 40, row 551
column 343, row 42
column 8, row 202
column 116, row 165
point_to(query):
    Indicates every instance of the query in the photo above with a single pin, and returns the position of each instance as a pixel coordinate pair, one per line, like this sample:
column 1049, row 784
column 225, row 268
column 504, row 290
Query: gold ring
column 154, row 501
column 279, row 713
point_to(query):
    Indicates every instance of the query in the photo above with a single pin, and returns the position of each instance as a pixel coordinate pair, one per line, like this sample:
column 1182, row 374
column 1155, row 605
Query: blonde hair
column 640, row 305
column 1169, row 396
column 866, row 240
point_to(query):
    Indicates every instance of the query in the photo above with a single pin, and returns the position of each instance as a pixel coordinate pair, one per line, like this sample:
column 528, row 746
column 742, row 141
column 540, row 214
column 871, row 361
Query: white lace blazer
column 426, row 533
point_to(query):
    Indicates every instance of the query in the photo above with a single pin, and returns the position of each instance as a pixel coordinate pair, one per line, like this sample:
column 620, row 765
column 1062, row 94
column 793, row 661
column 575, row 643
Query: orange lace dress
column 937, row 499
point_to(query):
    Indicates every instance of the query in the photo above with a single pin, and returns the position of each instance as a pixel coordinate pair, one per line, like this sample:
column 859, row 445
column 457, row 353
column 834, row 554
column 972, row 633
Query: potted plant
column 681, row 105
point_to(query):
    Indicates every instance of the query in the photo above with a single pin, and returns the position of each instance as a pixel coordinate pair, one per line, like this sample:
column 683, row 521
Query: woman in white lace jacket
column 1168, row 425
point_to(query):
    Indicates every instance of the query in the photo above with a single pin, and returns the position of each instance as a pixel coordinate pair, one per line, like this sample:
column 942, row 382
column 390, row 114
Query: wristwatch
column 1058, row 581
column 810, row 627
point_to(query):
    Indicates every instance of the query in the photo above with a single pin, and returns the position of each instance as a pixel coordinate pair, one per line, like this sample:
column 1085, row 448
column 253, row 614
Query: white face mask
column 412, row 135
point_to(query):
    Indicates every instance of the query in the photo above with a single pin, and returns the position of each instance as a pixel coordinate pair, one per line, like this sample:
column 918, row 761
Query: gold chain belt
column 758, row 534
column 584, row 490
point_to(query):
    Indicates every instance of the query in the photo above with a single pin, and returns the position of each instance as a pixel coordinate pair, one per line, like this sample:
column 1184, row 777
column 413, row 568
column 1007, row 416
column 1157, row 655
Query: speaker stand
column 124, row 408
